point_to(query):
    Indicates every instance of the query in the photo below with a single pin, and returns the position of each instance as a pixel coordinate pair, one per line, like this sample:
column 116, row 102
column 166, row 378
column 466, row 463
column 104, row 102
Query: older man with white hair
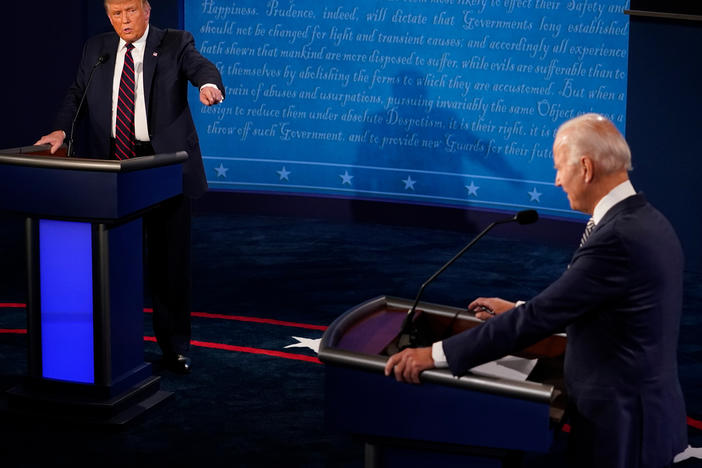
column 620, row 302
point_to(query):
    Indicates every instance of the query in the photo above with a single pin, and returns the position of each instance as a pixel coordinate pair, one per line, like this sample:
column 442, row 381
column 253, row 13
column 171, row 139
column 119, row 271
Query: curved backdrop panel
column 448, row 102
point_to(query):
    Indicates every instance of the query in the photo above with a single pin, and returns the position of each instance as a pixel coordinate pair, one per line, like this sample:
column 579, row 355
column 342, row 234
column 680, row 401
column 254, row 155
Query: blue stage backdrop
column 448, row 102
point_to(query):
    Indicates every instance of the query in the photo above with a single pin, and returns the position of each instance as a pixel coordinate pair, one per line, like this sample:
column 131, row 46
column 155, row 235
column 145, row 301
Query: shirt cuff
column 438, row 355
column 437, row 349
column 209, row 85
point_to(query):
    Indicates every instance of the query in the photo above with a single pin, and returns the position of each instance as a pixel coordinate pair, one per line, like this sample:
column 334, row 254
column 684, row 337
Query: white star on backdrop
column 534, row 195
column 345, row 178
column 311, row 343
column 472, row 189
column 283, row 173
column 221, row 170
column 409, row 183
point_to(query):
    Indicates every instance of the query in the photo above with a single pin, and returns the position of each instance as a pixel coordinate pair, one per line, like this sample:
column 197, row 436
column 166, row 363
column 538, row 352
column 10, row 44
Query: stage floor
column 264, row 289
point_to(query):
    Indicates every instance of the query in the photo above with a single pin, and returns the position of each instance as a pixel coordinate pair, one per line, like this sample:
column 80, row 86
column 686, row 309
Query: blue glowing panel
column 449, row 102
column 66, row 285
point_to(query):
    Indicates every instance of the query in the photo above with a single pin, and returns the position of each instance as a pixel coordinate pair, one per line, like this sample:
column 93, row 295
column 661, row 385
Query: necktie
column 125, row 140
column 588, row 230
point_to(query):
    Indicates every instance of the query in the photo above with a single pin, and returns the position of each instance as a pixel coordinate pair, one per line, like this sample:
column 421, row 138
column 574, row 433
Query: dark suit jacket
column 170, row 62
column 620, row 303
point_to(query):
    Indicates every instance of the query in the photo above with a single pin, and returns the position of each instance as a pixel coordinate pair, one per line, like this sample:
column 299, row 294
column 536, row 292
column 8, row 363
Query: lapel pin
column 155, row 54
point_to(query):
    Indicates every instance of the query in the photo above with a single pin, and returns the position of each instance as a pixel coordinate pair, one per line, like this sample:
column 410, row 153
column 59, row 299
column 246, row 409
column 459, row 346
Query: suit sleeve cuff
column 438, row 355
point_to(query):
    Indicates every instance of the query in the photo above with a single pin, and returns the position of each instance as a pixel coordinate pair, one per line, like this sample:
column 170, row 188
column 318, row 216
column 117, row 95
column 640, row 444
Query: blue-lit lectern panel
column 66, row 288
column 85, row 320
column 448, row 102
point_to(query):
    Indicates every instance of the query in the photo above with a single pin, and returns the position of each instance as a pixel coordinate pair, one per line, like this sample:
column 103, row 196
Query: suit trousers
column 167, row 254
column 167, row 232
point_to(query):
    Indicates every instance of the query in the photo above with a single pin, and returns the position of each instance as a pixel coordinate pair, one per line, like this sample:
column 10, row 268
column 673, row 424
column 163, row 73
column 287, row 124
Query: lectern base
column 33, row 403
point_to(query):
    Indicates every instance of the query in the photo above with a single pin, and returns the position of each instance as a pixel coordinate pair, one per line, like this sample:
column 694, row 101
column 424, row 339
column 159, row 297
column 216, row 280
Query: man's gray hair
column 596, row 136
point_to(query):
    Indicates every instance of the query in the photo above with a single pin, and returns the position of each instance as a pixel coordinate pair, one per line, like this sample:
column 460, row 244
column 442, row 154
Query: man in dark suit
column 162, row 62
column 619, row 301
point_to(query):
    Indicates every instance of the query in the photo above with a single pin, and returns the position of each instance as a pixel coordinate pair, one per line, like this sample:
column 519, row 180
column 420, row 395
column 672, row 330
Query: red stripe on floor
column 694, row 423
column 244, row 349
column 260, row 320
column 240, row 318
column 267, row 352
column 13, row 331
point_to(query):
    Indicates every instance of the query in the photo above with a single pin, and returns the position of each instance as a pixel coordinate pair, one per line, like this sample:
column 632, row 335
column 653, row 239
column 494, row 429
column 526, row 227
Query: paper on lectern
column 508, row 367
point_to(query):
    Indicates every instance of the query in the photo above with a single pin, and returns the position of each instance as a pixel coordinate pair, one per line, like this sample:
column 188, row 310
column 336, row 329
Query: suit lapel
column 151, row 52
column 102, row 84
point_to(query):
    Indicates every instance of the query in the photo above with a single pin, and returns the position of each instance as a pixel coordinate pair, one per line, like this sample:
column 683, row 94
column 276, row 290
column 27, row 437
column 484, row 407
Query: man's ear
column 147, row 11
column 588, row 168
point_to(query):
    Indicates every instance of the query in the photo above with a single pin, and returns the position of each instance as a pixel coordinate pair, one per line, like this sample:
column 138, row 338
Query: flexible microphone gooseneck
column 410, row 336
column 102, row 59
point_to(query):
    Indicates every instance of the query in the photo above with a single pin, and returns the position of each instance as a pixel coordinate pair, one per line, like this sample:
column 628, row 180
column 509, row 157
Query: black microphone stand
column 100, row 61
column 411, row 335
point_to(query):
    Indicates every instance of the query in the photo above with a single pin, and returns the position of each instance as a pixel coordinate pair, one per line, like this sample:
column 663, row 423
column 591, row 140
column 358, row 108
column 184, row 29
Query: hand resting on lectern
column 55, row 139
column 486, row 307
column 409, row 363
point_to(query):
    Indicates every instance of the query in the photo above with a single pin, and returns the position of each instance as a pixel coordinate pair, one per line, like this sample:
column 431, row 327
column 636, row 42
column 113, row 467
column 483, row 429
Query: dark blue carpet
column 244, row 409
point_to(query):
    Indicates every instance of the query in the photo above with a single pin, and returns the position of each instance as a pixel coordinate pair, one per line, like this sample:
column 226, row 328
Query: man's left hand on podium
column 409, row 363
column 55, row 139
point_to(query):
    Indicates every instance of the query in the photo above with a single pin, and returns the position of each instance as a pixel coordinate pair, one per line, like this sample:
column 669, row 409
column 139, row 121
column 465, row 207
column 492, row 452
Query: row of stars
column 346, row 179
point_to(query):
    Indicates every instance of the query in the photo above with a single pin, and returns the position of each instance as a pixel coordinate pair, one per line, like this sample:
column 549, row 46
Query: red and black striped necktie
column 125, row 140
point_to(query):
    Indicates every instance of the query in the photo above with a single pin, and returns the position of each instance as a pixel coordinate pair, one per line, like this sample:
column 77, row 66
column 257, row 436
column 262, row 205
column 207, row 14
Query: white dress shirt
column 617, row 194
column 141, row 128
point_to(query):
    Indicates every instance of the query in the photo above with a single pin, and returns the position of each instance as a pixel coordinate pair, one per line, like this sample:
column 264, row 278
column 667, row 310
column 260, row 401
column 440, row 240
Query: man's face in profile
column 128, row 17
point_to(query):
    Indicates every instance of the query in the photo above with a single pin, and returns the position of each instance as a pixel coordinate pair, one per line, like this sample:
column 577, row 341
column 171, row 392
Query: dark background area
column 685, row 7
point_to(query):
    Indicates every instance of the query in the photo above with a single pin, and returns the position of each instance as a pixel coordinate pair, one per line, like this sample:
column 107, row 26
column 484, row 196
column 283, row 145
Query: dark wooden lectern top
column 358, row 338
column 84, row 188
column 39, row 156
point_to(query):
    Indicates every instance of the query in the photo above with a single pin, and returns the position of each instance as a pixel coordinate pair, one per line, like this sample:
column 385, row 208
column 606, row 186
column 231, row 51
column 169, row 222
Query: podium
column 84, row 252
column 446, row 421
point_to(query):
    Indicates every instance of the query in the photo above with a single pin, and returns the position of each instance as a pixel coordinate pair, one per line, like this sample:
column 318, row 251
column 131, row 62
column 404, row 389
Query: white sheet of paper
column 509, row 367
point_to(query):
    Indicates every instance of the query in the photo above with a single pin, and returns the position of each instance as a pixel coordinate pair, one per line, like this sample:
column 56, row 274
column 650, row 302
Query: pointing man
column 137, row 105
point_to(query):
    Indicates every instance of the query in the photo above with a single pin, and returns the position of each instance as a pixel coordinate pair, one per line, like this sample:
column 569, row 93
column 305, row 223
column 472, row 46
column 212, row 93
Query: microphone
column 410, row 335
column 526, row 217
column 102, row 59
